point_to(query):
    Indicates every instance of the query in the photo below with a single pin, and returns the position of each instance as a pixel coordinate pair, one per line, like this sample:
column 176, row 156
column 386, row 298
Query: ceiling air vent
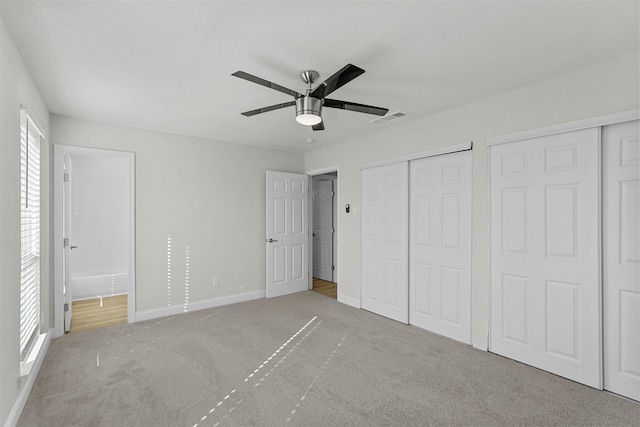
column 389, row 117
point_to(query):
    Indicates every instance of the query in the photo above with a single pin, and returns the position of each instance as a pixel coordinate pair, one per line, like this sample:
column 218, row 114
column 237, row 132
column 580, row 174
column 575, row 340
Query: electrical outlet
column 216, row 281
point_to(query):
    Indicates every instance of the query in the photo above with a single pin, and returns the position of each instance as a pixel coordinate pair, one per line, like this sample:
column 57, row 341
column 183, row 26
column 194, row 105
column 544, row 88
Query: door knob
column 72, row 247
column 271, row 240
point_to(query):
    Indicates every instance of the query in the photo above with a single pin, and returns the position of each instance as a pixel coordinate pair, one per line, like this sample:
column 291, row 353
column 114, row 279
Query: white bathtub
column 88, row 285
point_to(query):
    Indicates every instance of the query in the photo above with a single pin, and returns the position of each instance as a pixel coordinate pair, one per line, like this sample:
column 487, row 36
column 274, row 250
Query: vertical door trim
column 58, row 254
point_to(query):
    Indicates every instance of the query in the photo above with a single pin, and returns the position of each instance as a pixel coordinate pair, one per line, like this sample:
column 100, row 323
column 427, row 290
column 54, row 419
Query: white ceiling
column 167, row 65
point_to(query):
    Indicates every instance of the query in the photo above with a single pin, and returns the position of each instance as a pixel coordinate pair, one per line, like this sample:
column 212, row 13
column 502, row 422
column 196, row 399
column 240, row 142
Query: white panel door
column 323, row 230
column 67, row 230
column 287, row 233
column 545, row 286
column 621, row 239
column 440, row 245
column 385, row 241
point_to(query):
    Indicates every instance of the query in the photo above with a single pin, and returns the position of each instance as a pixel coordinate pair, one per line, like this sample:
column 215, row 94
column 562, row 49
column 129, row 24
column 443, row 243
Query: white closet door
column 440, row 245
column 621, row 196
column 545, row 259
column 385, row 241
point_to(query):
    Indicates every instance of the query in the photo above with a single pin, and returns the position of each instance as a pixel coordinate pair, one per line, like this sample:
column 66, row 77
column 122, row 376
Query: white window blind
column 30, row 234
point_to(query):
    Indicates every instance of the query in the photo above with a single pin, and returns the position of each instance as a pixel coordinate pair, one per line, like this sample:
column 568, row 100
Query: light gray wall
column 603, row 89
column 205, row 195
column 16, row 89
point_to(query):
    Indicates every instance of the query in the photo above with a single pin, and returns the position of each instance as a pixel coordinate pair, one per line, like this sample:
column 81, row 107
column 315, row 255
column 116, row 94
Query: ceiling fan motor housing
column 308, row 110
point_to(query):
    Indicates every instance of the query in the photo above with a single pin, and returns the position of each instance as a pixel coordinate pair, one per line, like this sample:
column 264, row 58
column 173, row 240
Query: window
column 30, row 234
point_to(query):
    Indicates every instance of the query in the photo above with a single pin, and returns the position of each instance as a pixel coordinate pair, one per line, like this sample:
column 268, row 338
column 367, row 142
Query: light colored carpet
column 298, row 360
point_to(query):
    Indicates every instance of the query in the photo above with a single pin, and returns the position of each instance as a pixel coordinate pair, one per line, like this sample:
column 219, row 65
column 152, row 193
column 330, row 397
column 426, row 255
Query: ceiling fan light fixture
column 308, row 119
column 308, row 110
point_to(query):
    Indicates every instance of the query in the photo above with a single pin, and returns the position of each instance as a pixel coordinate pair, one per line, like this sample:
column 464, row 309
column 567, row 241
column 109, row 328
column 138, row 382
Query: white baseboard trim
column 198, row 305
column 30, row 379
column 353, row 302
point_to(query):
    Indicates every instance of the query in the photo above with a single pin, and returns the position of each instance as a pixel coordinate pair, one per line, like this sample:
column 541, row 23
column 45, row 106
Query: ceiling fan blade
column 336, row 81
column 319, row 126
column 352, row 106
column 266, row 83
column 269, row 108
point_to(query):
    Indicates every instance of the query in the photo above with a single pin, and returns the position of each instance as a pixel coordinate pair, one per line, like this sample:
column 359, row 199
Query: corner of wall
column 17, row 89
column 27, row 382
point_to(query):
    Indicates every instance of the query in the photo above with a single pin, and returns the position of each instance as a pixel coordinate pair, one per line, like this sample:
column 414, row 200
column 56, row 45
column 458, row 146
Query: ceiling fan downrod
column 308, row 108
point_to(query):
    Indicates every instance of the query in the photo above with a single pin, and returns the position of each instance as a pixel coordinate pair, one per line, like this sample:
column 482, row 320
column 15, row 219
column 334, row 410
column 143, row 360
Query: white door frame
column 58, row 253
column 336, row 222
column 320, row 269
column 67, row 203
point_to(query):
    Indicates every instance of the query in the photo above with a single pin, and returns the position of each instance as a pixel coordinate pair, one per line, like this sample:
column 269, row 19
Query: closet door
column 385, row 241
column 440, row 245
column 621, row 239
column 545, row 276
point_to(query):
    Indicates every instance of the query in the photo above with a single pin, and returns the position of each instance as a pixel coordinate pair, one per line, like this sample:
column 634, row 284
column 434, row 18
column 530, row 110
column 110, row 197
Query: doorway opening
column 324, row 222
column 94, row 260
column 98, row 312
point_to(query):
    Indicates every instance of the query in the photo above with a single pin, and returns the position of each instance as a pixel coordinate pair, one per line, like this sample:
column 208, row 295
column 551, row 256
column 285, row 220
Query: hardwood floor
column 89, row 314
column 323, row 287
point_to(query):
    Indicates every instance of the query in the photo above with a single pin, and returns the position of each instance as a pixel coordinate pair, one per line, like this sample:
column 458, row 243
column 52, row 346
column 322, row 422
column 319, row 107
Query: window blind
column 30, row 234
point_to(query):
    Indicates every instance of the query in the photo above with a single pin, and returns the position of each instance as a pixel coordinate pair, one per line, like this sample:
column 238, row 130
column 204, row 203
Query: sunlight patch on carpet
column 186, row 279
column 320, row 371
column 169, row 271
column 261, row 366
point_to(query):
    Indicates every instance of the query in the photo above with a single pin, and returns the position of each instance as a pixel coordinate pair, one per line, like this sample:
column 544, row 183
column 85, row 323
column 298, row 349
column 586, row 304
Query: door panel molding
column 440, row 245
column 545, row 256
column 287, row 233
column 385, row 241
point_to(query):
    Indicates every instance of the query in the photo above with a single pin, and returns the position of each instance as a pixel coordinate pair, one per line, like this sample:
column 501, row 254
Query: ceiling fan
column 309, row 106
